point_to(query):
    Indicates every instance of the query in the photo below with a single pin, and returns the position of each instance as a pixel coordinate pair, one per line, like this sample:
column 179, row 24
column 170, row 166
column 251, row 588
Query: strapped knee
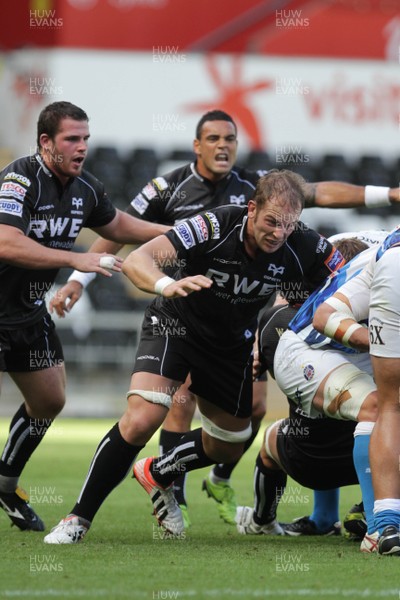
column 345, row 391
column 154, row 397
column 223, row 434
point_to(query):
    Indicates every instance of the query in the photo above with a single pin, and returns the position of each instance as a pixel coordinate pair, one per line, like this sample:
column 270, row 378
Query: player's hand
column 394, row 194
column 93, row 262
column 65, row 298
column 186, row 286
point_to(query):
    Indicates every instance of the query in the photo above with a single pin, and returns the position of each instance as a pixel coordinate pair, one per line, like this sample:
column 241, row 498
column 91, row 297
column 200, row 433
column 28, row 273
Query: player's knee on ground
column 350, row 394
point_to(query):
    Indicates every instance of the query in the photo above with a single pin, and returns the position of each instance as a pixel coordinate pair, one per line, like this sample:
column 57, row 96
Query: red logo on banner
column 233, row 97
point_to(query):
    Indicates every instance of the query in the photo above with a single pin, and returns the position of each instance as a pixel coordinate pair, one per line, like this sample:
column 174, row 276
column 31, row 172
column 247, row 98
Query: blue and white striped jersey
column 301, row 324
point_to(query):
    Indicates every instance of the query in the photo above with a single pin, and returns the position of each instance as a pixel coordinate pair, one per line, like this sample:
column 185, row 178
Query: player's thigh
column 300, row 370
column 347, row 393
column 148, row 401
column 259, row 400
column 387, row 379
column 34, row 359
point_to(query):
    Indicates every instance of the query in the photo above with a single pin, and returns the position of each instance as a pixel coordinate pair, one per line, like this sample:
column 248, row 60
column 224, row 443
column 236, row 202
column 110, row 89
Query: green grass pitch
column 125, row 555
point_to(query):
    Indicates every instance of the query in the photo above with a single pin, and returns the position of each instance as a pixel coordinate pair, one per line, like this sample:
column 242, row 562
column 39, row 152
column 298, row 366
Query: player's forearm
column 340, row 325
column 336, row 194
column 103, row 245
column 142, row 270
column 140, row 234
column 21, row 251
column 126, row 229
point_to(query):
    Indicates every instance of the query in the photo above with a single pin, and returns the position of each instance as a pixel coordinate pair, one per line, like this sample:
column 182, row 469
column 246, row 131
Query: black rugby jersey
column 183, row 193
column 212, row 244
column 272, row 323
column 34, row 200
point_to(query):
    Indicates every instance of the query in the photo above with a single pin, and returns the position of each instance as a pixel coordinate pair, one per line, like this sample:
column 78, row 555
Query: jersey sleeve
column 274, row 322
column 17, row 193
column 195, row 235
column 149, row 203
column 327, row 259
column 358, row 291
column 103, row 212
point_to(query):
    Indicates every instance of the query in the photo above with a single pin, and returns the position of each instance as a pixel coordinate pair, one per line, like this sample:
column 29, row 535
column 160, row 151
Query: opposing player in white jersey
column 331, row 377
column 378, row 284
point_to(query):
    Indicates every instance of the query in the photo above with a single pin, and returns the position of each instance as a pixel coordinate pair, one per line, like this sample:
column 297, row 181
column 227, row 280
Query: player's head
column 350, row 247
column 213, row 115
column 215, row 145
column 51, row 116
column 275, row 209
column 62, row 135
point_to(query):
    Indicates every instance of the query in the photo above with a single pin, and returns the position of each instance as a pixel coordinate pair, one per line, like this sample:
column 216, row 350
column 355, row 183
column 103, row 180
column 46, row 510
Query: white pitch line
column 217, row 593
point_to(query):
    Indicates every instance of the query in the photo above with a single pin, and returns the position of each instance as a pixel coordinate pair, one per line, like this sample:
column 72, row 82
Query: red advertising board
column 367, row 29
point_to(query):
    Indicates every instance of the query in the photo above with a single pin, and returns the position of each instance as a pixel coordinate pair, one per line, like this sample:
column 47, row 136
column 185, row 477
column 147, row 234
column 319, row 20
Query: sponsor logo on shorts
column 185, row 234
column 149, row 191
column 334, row 260
column 308, row 372
column 148, row 357
column 200, row 227
column 140, row 204
column 18, row 177
column 12, row 190
column 160, row 183
column 215, row 226
column 10, row 207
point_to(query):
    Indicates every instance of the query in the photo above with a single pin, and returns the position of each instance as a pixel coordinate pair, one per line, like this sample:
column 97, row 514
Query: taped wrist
column 334, row 327
column 83, row 278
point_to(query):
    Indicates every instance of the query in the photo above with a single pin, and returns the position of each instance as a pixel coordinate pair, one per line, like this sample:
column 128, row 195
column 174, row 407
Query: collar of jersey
column 41, row 162
column 198, row 176
column 241, row 233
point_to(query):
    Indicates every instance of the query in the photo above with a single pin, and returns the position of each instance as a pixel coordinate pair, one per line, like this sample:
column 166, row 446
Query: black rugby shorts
column 317, row 453
column 222, row 377
column 32, row 348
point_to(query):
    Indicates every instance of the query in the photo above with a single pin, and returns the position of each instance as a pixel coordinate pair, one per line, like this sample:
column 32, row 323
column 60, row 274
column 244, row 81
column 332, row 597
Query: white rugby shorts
column 299, row 369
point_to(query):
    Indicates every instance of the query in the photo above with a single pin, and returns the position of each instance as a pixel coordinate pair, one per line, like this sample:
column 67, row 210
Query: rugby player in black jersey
column 45, row 200
column 229, row 262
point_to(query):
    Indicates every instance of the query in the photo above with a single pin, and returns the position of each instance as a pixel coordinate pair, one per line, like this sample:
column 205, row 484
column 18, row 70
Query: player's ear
column 196, row 146
column 44, row 141
column 251, row 209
